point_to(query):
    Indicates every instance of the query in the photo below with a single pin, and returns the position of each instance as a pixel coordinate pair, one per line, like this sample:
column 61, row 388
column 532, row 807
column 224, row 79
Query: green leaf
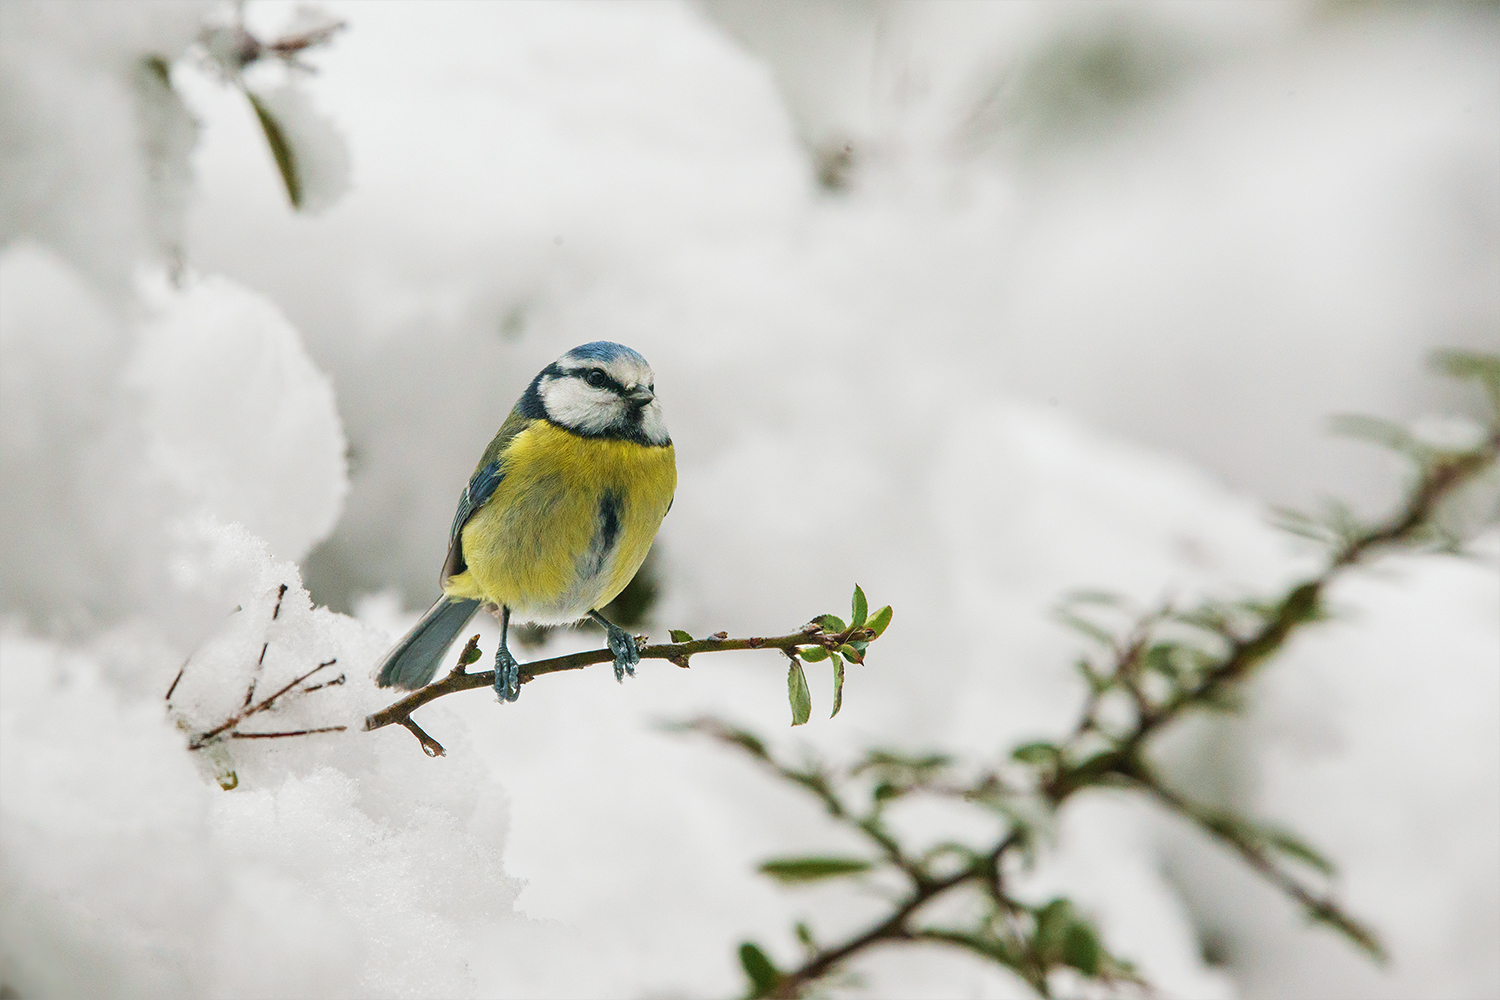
column 831, row 623
column 1295, row 522
column 470, row 653
column 812, row 654
column 1085, row 627
column 861, row 607
column 851, row 654
column 896, row 760
column 797, row 693
column 1294, row 847
column 838, row 686
column 715, row 729
column 879, row 620
column 1302, row 604
column 1472, row 366
column 1357, row 933
column 1162, row 659
column 1097, row 682
column 1052, row 923
column 1039, row 752
column 678, row 635
column 159, row 69
column 1105, row 597
column 805, row 936
column 1229, row 826
column 1104, row 767
column 763, row 975
column 1080, row 948
column 281, row 150
column 1373, row 429
column 1222, row 699
column 797, row 870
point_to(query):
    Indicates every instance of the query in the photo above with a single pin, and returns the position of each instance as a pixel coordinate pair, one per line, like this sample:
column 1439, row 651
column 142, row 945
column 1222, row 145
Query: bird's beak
column 641, row 396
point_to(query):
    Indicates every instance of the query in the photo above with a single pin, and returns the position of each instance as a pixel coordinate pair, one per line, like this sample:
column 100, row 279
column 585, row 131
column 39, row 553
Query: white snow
column 989, row 371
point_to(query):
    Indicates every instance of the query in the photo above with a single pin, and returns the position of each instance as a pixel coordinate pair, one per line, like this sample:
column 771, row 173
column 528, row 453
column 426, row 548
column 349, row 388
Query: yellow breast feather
column 568, row 525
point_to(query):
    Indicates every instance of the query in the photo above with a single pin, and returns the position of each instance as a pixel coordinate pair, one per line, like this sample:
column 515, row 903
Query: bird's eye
column 596, row 378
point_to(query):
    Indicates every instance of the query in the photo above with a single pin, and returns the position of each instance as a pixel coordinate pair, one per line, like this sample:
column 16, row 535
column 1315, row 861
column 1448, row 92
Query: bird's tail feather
column 411, row 662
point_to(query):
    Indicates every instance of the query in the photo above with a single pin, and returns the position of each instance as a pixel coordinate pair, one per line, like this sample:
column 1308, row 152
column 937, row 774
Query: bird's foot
column 627, row 653
column 507, row 675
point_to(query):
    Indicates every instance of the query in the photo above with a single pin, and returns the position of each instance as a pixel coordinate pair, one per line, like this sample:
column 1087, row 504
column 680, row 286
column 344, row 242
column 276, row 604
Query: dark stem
column 260, row 663
column 1123, row 763
column 1324, row 908
column 430, row 746
column 893, row 928
column 677, row 653
column 294, row 732
column 204, row 739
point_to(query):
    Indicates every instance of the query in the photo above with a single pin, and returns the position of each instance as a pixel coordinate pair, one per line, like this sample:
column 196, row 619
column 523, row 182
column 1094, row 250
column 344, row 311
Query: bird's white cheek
column 653, row 424
column 572, row 404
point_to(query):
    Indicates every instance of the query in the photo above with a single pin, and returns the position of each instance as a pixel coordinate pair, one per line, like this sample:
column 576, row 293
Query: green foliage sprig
column 1157, row 668
column 826, row 637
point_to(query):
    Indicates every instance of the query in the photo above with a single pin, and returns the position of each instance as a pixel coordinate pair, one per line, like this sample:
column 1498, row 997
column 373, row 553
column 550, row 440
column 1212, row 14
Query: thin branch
column 893, row 928
column 277, row 736
column 1323, row 908
column 677, row 652
column 1013, row 935
column 260, row 663
column 204, row 739
column 1300, row 604
column 178, row 679
column 983, row 871
column 430, row 746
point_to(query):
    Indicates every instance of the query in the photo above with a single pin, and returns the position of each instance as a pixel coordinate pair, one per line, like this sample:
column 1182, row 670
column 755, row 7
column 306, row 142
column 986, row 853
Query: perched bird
column 558, row 516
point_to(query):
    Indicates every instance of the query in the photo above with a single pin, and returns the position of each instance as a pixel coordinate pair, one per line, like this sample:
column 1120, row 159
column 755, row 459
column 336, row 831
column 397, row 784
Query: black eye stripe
column 598, row 378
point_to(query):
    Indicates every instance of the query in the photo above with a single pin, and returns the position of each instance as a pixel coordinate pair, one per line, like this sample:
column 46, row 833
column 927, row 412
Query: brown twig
column 1321, row 907
column 178, row 679
column 259, row 663
column 1300, row 605
column 430, row 746
column 678, row 653
column 276, row 736
column 897, row 927
column 203, row 739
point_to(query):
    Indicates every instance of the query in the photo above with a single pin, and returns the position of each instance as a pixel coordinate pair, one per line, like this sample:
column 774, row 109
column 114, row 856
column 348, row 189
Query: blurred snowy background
column 973, row 303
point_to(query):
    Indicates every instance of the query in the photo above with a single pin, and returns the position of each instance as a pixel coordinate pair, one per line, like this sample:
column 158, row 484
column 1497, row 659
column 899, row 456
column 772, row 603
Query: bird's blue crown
column 602, row 350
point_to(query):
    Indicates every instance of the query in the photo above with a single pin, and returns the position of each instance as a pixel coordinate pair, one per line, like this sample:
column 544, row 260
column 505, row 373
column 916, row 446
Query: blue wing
column 480, row 488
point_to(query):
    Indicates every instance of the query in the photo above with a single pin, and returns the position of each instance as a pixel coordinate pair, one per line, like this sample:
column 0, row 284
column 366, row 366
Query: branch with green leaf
column 1151, row 670
column 826, row 637
column 229, row 49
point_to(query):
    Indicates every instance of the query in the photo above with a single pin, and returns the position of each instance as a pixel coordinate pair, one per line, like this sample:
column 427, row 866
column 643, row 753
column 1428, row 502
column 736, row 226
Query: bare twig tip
column 430, row 746
column 176, row 679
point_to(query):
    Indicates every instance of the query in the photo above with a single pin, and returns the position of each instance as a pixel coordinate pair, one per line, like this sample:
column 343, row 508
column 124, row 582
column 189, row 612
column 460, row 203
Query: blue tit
column 558, row 516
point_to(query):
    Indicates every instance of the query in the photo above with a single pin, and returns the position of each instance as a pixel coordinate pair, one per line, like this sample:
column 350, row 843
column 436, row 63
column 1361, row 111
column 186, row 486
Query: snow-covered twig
column 228, row 729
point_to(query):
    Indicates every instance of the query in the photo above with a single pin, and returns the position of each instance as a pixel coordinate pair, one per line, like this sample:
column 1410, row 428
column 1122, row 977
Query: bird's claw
column 627, row 653
column 507, row 676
